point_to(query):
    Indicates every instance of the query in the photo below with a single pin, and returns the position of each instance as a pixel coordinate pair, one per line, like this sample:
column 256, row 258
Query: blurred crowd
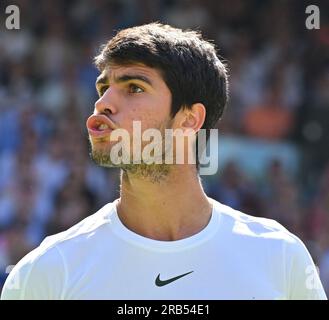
column 279, row 80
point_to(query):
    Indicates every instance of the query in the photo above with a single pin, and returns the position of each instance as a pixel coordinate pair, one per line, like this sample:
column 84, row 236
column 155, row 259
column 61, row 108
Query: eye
column 135, row 89
column 102, row 90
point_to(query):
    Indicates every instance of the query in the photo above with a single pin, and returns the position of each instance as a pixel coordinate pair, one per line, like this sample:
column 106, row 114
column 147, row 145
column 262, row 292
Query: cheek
column 151, row 112
column 159, row 110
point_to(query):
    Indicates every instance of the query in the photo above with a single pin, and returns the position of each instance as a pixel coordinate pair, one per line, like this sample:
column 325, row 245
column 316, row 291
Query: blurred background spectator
column 273, row 140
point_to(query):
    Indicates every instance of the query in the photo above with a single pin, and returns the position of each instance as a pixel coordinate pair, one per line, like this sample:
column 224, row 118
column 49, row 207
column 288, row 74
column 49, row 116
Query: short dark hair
column 189, row 65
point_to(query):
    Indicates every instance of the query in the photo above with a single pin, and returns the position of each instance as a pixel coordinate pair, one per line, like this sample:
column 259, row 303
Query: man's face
column 127, row 94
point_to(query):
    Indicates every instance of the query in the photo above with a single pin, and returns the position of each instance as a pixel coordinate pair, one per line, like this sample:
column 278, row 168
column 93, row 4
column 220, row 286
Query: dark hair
column 189, row 65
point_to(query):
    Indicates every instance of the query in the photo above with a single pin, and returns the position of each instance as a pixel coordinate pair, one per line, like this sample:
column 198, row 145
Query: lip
column 93, row 123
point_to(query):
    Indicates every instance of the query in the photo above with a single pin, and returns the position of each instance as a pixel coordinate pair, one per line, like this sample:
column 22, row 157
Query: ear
column 194, row 117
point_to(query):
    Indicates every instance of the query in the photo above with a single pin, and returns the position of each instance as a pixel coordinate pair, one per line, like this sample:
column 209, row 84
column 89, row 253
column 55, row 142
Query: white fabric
column 236, row 256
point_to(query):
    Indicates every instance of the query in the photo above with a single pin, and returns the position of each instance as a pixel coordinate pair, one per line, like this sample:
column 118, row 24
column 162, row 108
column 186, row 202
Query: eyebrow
column 102, row 79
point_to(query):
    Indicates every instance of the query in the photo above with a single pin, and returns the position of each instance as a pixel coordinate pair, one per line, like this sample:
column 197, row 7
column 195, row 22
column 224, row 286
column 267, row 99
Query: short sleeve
column 40, row 275
column 303, row 277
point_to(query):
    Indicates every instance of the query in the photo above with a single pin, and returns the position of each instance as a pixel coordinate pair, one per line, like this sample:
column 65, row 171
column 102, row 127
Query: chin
column 101, row 159
column 101, row 155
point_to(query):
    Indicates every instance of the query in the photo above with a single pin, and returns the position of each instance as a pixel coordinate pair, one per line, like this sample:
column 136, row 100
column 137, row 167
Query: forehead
column 114, row 71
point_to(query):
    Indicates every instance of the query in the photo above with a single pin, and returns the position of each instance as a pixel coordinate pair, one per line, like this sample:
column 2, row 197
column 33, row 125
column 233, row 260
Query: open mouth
column 99, row 125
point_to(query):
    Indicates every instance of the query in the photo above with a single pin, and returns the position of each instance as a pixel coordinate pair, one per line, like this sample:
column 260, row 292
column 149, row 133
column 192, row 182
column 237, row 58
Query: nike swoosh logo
column 161, row 283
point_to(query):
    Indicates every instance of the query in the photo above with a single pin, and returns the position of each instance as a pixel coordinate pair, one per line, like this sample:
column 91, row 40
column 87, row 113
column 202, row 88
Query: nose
column 106, row 104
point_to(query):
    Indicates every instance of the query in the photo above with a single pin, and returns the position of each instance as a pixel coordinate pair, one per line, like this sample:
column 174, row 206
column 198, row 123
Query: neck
column 163, row 203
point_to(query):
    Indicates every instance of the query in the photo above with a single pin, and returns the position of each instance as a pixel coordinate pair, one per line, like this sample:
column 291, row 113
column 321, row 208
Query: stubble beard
column 155, row 173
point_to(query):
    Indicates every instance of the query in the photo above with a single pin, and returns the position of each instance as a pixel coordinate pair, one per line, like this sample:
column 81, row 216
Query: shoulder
column 42, row 274
column 82, row 230
column 267, row 239
column 242, row 224
column 34, row 275
column 259, row 234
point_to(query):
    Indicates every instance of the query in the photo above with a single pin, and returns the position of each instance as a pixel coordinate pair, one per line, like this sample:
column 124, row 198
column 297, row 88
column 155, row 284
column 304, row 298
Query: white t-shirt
column 236, row 256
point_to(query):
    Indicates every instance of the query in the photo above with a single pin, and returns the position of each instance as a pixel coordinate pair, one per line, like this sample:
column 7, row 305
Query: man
column 163, row 238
